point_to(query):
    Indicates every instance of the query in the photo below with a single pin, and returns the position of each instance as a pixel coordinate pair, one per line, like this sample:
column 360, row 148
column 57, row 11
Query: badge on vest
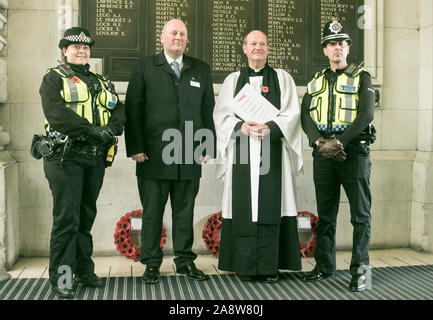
column 348, row 89
column 111, row 105
column 195, row 84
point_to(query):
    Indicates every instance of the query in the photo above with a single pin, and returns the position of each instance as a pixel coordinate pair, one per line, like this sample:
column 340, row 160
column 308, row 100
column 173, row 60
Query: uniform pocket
column 358, row 148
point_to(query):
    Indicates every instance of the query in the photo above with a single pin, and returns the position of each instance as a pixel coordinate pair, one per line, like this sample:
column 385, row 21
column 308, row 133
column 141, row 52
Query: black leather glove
column 101, row 135
column 340, row 156
column 331, row 149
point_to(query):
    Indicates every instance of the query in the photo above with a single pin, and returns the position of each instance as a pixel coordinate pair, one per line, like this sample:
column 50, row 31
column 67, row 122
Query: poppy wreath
column 210, row 233
column 307, row 249
column 122, row 237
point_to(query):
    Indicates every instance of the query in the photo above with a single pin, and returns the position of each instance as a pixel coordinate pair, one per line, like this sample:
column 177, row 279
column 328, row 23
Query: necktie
column 176, row 69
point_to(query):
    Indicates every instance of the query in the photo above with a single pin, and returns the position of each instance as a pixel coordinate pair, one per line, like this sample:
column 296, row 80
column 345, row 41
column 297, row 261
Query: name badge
column 348, row 88
column 195, row 84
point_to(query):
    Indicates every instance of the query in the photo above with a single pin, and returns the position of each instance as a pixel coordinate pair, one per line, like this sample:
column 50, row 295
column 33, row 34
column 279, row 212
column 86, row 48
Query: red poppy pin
column 265, row 89
column 74, row 79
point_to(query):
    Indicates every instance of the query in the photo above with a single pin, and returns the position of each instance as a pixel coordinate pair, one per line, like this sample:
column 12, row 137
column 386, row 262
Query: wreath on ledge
column 307, row 249
column 211, row 235
column 122, row 237
column 212, row 226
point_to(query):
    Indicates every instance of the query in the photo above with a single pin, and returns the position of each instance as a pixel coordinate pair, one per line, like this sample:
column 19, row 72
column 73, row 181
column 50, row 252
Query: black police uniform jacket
column 156, row 101
column 64, row 119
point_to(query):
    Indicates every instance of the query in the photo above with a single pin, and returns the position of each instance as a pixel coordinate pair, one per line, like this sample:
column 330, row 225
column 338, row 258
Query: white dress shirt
column 170, row 60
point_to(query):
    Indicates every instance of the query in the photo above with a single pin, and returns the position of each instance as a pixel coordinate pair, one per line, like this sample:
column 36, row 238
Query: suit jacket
column 156, row 100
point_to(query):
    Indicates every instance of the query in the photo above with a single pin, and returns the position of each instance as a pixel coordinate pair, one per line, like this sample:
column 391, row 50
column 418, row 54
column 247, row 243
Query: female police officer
column 83, row 114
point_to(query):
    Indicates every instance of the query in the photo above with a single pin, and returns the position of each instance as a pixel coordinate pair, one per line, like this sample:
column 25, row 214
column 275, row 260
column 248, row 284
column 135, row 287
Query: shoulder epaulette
column 64, row 70
column 320, row 73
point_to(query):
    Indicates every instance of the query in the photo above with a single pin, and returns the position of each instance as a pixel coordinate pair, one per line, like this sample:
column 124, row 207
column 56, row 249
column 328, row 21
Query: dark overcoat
column 157, row 101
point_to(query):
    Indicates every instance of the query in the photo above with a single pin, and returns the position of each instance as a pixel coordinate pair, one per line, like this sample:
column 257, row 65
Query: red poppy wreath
column 122, row 236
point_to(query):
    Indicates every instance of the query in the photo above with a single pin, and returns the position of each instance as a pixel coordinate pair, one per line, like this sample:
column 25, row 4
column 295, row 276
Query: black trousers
column 354, row 175
column 75, row 187
column 154, row 195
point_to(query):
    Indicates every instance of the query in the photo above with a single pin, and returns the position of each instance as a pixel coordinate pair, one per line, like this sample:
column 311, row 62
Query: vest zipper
column 331, row 105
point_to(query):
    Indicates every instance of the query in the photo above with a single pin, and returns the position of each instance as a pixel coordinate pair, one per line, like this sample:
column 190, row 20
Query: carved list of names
column 229, row 22
column 116, row 24
column 127, row 29
column 286, row 30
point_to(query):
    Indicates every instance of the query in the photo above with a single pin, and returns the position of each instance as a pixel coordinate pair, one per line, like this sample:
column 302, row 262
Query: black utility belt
column 330, row 135
column 362, row 139
column 88, row 150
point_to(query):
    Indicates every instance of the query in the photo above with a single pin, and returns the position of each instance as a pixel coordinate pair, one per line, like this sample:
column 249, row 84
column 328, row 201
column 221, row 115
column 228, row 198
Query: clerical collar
column 170, row 60
column 255, row 72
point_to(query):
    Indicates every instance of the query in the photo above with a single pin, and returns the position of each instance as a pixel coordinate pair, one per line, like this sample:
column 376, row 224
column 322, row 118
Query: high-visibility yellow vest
column 77, row 96
column 345, row 99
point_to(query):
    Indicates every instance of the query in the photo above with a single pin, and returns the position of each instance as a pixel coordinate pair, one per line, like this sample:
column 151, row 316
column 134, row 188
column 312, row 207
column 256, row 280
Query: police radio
column 66, row 69
column 353, row 68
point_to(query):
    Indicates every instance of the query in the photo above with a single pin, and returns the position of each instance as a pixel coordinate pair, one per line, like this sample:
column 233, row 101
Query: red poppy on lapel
column 265, row 89
column 74, row 79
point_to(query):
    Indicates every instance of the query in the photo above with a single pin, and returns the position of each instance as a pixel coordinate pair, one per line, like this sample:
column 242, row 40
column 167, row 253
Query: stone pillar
column 422, row 204
column 9, row 222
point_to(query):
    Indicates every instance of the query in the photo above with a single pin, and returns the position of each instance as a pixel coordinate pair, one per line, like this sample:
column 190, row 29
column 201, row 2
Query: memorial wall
column 127, row 29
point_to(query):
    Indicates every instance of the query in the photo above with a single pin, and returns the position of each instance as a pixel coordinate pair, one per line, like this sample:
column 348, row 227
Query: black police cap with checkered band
column 76, row 35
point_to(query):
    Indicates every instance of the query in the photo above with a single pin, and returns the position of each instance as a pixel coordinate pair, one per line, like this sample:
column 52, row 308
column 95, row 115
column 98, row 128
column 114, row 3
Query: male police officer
column 336, row 110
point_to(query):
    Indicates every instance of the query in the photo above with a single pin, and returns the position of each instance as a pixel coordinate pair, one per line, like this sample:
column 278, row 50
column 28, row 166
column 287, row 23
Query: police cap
column 334, row 31
column 76, row 35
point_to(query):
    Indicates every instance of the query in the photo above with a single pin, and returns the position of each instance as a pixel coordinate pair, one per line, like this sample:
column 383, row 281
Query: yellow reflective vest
column 77, row 96
column 343, row 101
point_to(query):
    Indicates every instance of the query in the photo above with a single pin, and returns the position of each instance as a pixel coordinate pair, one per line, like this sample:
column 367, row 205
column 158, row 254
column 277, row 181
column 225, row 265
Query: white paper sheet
column 250, row 105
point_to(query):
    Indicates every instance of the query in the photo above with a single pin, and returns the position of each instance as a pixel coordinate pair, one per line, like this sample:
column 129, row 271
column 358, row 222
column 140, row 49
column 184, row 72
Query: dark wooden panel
column 127, row 29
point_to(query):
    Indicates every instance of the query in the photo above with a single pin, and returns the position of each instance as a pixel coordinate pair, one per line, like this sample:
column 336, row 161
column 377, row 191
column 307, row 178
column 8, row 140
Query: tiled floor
column 118, row 266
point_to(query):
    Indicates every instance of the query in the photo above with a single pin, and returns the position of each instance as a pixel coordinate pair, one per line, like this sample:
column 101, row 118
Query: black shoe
column 192, row 272
column 246, row 278
column 358, row 283
column 315, row 275
column 63, row 293
column 151, row 275
column 89, row 280
column 272, row 278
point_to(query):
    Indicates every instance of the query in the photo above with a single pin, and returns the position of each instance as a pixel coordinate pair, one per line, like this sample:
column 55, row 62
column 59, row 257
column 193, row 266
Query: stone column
column 422, row 204
column 5, row 161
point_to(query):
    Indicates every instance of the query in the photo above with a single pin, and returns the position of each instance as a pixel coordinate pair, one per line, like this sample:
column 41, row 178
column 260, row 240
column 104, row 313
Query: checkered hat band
column 335, row 128
column 336, row 36
column 75, row 38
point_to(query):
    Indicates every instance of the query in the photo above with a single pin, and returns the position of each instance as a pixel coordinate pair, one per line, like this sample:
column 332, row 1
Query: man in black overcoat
column 169, row 131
